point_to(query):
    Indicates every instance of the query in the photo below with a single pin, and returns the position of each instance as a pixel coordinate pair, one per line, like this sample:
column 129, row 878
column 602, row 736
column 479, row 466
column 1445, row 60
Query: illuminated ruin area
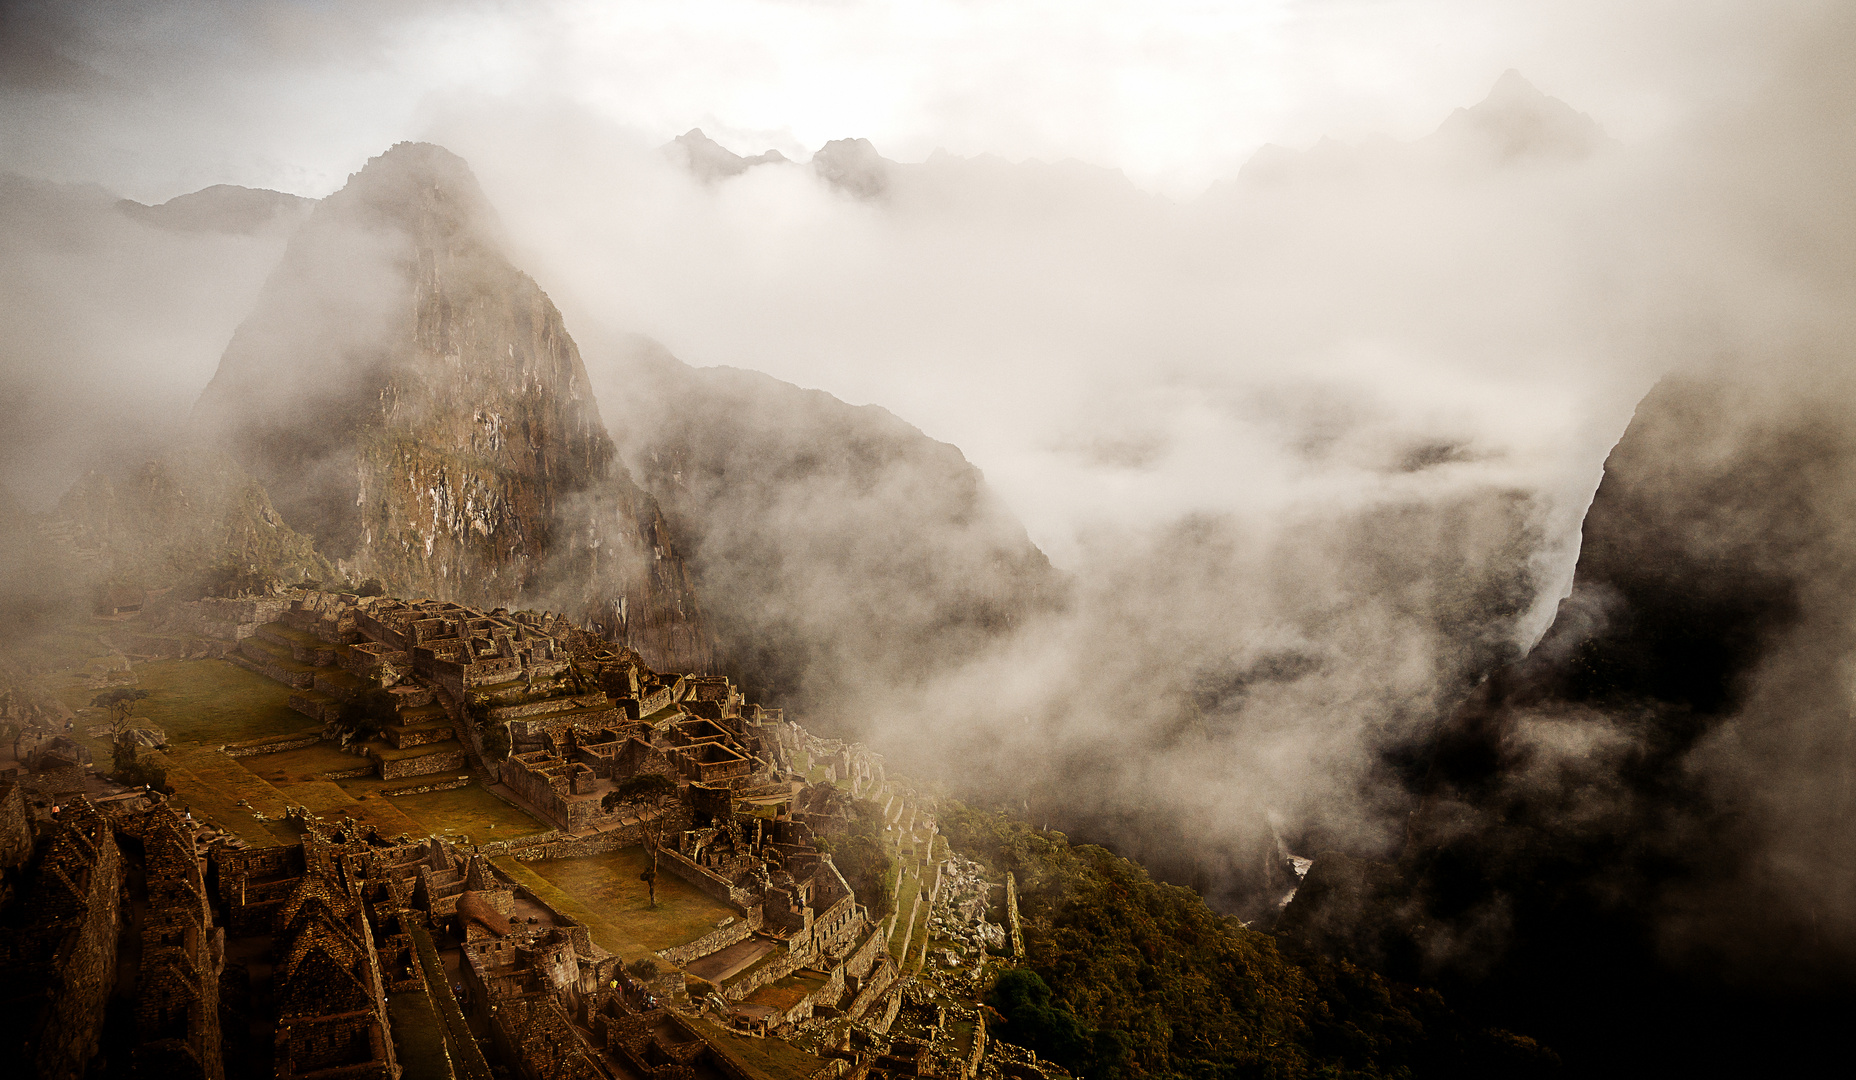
column 177, row 934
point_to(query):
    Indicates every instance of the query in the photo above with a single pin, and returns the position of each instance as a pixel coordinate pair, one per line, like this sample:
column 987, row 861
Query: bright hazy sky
column 153, row 98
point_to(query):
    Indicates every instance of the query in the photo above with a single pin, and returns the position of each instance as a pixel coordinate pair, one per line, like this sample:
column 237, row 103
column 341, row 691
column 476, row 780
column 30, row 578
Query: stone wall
column 262, row 663
column 738, row 930
column 270, row 746
column 453, row 761
column 870, row 990
column 15, row 826
column 706, row 881
column 421, row 789
column 779, row 969
column 864, row 957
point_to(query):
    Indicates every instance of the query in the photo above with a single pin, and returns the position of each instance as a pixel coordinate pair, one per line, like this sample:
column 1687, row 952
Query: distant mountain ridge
column 1516, row 123
column 223, row 208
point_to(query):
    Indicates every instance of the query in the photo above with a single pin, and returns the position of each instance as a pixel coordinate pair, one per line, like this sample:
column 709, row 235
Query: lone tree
column 653, row 795
column 494, row 734
column 126, row 763
column 119, row 702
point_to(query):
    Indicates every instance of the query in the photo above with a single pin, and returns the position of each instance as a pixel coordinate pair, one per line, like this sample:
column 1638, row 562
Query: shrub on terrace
column 867, row 863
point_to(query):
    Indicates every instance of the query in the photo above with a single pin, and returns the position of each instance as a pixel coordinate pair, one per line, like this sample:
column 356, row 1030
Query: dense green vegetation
column 1129, row 977
column 860, row 853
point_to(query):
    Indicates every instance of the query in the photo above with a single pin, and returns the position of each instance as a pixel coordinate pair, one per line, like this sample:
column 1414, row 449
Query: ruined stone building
column 175, row 988
column 110, row 956
column 58, row 944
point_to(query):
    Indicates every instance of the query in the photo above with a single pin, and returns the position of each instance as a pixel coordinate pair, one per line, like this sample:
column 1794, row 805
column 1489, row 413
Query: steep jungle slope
column 1128, row 977
column 837, row 548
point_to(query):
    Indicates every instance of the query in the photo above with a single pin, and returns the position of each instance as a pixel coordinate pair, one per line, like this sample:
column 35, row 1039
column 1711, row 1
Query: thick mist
column 1313, row 446
column 113, row 320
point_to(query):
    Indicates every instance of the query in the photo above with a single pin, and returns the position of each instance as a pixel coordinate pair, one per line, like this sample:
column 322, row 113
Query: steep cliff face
column 841, row 552
column 1638, row 835
column 414, row 403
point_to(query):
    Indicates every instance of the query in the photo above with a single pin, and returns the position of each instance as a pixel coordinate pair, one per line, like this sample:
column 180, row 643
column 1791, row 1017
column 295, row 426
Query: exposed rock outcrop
column 710, row 160
column 413, row 402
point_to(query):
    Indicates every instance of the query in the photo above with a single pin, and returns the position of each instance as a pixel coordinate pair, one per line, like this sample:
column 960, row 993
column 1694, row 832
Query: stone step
column 265, row 659
column 447, row 756
column 303, row 648
column 338, row 684
column 316, row 705
column 407, row 736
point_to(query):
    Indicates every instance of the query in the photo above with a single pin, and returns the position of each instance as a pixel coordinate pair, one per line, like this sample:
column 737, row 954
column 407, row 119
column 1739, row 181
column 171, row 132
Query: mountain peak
column 413, row 402
column 854, row 166
column 710, row 160
column 1517, row 121
column 419, row 187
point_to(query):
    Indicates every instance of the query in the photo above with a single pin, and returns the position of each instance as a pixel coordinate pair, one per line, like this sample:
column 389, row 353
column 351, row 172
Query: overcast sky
column 155, row 98
column 1101, row 360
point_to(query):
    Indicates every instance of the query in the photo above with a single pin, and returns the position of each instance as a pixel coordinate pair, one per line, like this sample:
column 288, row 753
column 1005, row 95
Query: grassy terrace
column 387, row 753
column 905, row 903
column 771, row 1058
column 609, row 885
column 425, row 714
column 665, row 713
column 201, row 703
column 785, row 993
column 303, row 764
column 301, row 637
column 418, row 1036
column 774, row 956
column 607, row 934
column 279, row 654
column 209, row 798
column 468, row 811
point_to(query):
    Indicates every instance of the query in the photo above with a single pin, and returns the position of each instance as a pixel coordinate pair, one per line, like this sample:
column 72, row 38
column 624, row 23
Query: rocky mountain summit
column 408, row 399
column 1519, row 122
column 711, row 160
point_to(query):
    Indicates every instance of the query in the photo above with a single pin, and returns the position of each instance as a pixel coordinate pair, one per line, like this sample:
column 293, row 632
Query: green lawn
column 471, row 811
column 210, row 800
column 418, row 1036
column 609, row 885
column 212, row 702
column 606, row 934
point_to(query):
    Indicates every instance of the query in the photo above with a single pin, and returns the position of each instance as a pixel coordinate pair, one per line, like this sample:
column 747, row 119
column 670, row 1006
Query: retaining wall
column 706, row 881
column 423, row 766
column 739, row 930
column 253, row 749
